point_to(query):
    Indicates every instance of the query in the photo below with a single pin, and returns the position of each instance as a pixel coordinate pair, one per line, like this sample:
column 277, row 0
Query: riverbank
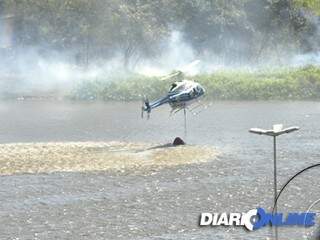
column 277, row 84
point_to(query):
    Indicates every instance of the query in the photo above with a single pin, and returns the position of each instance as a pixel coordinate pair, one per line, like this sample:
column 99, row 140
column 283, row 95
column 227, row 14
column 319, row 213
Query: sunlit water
column 163, row 204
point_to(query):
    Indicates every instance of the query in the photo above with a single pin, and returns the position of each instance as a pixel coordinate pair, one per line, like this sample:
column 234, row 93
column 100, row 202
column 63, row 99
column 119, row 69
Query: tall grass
column 285, row 83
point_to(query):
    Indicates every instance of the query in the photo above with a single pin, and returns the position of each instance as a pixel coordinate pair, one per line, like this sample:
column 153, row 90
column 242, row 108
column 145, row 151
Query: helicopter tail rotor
column 145, row 107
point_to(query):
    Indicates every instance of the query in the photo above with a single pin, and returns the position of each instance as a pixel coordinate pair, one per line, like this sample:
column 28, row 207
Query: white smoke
column 175, row 56
column 306, row 59
column 28, row 72
column 33, row 72
column 310, row 58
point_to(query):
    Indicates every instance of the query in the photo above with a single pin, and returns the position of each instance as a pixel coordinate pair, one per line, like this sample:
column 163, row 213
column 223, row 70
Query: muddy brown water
column 159, row 204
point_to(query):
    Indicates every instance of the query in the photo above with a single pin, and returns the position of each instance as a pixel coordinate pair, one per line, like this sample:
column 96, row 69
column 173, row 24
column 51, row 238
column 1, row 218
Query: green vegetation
column 292, row 83
column 301, row 83
column 84, row 33
column 313, row 5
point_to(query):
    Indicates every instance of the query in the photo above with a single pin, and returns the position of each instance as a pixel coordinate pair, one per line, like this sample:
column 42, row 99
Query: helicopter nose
column 202, row 91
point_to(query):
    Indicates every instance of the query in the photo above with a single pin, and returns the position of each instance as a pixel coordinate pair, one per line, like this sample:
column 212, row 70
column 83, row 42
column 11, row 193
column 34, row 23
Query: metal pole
column 275, row 180
column 276, row 131
column 185, row 122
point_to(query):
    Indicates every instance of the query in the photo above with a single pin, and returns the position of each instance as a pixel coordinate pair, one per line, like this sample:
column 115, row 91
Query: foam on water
column 96, row 156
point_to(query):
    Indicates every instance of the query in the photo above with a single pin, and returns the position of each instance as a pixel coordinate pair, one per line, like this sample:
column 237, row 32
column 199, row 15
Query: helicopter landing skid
column 195, row 110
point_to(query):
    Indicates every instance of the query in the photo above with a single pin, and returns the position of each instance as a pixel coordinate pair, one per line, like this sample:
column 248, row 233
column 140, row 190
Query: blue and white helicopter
column 181, row 94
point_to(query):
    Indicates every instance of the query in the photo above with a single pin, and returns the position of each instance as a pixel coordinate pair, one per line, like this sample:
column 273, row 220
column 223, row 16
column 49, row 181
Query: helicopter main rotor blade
column 189, row 66
column 181, row 70
column 171, row 75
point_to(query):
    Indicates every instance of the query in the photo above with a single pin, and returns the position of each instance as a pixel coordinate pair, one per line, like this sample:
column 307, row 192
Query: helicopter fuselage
column 181, row 94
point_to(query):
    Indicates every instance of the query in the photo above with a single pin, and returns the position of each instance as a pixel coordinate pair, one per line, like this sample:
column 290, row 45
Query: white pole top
column 276, row 130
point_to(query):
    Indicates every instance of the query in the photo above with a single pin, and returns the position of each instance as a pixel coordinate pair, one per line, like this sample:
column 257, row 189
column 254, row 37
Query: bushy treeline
column 238, row 31
column 287, row 84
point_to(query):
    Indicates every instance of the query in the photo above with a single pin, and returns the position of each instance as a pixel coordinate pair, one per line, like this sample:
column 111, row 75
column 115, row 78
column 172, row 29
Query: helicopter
column 181, row 95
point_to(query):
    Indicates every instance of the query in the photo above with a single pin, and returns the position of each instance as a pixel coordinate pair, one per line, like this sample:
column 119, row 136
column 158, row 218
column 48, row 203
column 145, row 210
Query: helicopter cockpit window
column 198, row 89
column 194, row 90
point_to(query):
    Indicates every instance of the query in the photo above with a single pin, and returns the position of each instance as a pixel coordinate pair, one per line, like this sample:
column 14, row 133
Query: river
column 164, row 204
